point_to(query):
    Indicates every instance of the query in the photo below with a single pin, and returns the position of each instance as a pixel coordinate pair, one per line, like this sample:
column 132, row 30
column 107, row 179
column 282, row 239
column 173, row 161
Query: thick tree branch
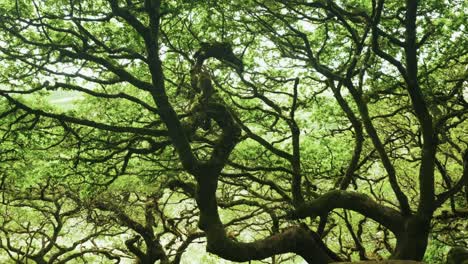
column 361, row 203
column 166, row 111
column 429, row 148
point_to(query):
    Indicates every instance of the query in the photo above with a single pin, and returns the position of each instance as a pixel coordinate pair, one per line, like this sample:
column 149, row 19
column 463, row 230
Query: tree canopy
column 302, row 131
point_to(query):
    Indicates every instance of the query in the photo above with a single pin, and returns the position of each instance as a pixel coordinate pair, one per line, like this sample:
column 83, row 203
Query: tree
column 265, row 113
column 36, row 226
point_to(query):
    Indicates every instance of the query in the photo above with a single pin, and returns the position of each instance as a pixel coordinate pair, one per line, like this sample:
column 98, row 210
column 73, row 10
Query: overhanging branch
column 361, row 203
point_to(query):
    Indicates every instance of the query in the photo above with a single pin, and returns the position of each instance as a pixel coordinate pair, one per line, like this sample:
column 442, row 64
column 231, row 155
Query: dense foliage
column 256, row 130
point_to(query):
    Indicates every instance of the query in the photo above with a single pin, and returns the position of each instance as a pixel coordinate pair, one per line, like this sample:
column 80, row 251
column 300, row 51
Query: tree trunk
column 412, row 243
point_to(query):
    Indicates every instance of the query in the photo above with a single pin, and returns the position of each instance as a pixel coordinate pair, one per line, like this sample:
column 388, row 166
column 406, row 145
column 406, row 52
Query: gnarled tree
column 264, row 113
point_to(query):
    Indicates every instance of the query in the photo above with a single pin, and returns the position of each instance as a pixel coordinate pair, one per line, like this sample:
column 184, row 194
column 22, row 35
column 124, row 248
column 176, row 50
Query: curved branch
column 300, row 240
column 361, row 203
